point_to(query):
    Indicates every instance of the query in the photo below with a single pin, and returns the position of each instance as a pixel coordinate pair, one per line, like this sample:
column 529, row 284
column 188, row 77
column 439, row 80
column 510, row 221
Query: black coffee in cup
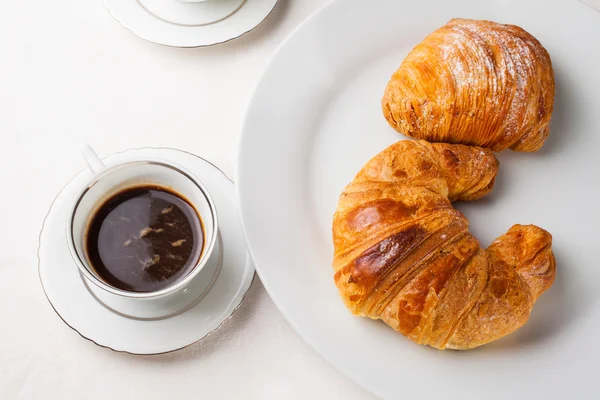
column 145, row 238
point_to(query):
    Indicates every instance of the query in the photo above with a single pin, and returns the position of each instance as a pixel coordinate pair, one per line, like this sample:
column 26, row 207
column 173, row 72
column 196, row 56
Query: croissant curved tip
column 528, row 250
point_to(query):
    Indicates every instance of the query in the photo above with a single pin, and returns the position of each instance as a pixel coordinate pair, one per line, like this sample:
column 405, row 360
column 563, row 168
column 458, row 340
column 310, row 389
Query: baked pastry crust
column 474, row 82
column 405, row 256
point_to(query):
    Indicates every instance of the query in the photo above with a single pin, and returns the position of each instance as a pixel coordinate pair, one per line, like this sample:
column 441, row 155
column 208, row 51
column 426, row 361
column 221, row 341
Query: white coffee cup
column 181, row 294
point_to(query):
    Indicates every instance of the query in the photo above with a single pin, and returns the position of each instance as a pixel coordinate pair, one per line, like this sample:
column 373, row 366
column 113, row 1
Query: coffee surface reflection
column 144, row 239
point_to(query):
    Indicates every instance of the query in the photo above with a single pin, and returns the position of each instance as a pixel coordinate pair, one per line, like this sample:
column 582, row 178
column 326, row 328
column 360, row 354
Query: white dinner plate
column 70, row 297
column 316, row 118
column 188, row 23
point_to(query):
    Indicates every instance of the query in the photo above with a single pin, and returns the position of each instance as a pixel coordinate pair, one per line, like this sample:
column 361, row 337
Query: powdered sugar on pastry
column 474, row 82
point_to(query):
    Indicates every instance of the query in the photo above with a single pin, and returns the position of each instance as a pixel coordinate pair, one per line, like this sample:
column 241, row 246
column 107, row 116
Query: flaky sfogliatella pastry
column 474, row 82
column 405, row 256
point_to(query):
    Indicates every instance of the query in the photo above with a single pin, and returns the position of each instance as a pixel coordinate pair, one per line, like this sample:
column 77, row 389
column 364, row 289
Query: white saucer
column 79, row 309
column 181, row 23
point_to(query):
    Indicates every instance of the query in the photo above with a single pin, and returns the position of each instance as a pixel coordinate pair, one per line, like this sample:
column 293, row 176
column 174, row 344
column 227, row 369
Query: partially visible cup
column 181, row 294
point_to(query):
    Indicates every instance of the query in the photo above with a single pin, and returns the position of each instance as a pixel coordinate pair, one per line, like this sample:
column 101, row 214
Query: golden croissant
column 405, row 256
column 474, row 82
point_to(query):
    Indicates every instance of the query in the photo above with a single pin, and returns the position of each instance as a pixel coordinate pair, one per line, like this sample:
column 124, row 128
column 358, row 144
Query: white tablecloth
column 70, row 72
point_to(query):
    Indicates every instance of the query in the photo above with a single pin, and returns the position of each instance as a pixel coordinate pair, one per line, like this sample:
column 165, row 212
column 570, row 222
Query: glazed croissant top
column 405, row 256
column 474, row 82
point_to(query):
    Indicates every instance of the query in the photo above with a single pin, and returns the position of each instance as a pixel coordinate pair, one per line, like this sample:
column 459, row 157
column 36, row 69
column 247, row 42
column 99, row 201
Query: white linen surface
column 70, row 72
